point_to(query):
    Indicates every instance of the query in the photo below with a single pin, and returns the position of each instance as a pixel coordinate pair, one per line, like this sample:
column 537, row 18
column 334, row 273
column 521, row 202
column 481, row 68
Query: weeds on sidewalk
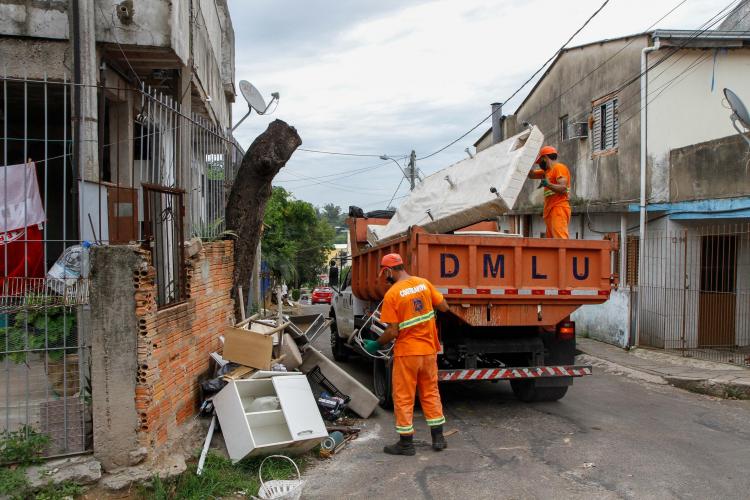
column 219, row 478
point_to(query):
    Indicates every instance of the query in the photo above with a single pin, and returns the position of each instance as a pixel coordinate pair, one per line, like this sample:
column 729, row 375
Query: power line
column 336, row 153
column 596, row 12
column 543, row 106
column 705, row 26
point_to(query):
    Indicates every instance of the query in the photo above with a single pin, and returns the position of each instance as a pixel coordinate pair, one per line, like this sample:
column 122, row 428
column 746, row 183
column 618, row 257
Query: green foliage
column 13, row 482
column 211, row 231
column 24, row 446
column 296, row 241
column 45, row 328
column 336, row 218
column 59, row 491
column 219, row 478
column 296, row 294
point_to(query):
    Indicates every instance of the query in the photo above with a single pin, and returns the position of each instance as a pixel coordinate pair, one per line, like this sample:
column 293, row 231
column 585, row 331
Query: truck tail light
column 566, row 330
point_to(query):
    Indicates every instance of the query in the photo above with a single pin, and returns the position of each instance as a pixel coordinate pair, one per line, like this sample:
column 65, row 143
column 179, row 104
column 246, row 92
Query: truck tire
column 338, row 348
column 528, row 392
column 381, row 383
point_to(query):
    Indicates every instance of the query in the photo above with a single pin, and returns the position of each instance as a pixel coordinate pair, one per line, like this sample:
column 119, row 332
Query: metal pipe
column 497, row 129
column 644, row 153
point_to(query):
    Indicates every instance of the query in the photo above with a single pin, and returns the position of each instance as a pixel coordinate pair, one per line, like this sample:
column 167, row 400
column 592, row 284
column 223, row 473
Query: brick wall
column 174, row 343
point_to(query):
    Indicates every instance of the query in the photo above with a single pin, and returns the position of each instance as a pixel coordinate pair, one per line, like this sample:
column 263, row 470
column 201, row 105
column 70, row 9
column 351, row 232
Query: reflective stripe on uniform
column 405, row 430
column 416, row 320
column 435, row 421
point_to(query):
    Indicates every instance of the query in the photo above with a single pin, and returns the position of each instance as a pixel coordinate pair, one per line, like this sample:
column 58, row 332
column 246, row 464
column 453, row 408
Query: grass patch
column 220, row 477
column 58, row 492
column 24, row 446
column 13, row 482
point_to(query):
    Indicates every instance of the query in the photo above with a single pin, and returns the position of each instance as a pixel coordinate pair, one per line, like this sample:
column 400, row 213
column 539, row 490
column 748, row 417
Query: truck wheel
column 528, row 392
column 381, row 382
column 339, row 350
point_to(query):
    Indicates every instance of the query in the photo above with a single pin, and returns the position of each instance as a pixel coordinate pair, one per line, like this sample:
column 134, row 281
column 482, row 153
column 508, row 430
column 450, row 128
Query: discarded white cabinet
column 295, row 428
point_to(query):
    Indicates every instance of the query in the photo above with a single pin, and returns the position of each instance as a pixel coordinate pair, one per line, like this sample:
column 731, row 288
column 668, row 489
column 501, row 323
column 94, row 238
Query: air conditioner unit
column 578, row 130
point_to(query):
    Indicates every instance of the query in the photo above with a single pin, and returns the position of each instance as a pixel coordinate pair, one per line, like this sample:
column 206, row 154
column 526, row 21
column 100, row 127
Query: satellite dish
column 739, row 113
column 254, row 100
column 253, row 97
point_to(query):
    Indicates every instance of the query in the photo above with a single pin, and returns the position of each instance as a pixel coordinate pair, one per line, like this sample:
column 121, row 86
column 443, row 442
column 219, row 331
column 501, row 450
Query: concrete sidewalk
column 706, row 377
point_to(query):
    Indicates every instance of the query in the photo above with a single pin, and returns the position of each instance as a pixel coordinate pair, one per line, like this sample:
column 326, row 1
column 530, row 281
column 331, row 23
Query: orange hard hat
column 390, row 260
column 546, row 150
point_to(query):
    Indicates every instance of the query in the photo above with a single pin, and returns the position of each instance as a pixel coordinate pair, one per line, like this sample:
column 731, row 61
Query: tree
column 336, row 218
column 251, row 190
column 296, row 241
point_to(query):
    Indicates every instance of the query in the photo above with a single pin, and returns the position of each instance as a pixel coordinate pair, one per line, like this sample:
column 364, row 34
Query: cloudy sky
column 389, row 76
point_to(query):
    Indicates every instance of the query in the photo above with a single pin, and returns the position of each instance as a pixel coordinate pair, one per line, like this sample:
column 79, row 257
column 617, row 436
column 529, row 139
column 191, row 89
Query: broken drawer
column 295, row 427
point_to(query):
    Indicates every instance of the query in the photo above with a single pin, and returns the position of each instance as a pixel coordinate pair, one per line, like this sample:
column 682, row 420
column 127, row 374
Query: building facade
column 604, row 115
column 115, row 129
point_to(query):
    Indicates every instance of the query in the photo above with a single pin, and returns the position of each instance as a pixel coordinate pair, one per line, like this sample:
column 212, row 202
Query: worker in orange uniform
column 556, row 183
column 409, row 310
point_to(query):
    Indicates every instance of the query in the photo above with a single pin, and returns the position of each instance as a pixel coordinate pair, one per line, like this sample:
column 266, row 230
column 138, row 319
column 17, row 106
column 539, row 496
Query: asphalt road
column 610, row 437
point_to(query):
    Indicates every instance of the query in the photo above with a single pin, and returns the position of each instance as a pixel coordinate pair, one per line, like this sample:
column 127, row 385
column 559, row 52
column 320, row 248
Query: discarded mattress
column 463, row 193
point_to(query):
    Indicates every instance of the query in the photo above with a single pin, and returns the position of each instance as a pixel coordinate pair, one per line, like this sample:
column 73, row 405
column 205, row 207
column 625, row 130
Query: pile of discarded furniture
column 273, row 392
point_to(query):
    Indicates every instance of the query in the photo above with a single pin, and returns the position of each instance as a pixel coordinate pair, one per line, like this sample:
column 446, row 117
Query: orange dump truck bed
column 496, row 280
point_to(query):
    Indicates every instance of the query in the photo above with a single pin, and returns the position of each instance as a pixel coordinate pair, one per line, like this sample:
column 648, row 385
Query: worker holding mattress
column 556, row 183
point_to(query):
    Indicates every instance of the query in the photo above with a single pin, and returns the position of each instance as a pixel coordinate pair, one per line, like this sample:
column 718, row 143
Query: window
column 606, row 125
column 564, row 132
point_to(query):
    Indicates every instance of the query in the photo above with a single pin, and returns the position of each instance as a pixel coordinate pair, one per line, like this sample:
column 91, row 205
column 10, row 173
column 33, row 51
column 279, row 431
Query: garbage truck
column 510, row 297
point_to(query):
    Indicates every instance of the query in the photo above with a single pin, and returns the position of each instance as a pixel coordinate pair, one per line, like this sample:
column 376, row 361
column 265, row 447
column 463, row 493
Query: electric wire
column 539, row 70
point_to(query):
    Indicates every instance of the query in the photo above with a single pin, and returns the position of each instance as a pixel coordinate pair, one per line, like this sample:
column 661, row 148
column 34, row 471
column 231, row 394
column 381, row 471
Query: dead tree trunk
column 251, row 190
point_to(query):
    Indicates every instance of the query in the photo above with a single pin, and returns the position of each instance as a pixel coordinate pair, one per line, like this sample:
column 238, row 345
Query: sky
column 391, row 76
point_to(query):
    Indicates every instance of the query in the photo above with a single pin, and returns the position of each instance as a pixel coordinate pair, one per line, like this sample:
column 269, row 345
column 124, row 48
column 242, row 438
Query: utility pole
column 412, row 169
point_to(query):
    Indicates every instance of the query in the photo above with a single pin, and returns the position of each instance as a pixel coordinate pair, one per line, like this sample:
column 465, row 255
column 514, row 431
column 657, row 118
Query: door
column 299, row 408
column 717, row 306
column 342, row 304
column 123, row 214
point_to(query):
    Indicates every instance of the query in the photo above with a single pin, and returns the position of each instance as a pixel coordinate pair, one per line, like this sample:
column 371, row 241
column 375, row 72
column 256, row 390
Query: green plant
column 59, row 491
column 49, row 329
column 220, row 477
column 13, row 482
column 296, row 294
column 23, row 446
column 211, row 231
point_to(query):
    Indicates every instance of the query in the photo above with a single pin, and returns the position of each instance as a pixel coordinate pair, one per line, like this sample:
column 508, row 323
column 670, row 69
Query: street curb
column 701, row 385
column 711, row 387
column 617, row 369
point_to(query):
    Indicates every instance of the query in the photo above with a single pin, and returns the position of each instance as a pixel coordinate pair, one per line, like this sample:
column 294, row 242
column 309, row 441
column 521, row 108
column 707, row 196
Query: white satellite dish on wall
column 254, row 100
column 739, row 113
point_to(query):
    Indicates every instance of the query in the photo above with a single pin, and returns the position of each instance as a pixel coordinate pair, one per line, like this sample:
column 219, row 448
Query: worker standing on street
column 556, row 183
column 409, row 310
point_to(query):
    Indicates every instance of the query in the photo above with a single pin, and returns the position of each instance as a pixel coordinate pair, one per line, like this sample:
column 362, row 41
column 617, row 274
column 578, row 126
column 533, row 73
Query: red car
column 322, row 295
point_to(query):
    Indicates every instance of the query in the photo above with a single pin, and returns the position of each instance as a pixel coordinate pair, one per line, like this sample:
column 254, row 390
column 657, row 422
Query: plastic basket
column 287, row 489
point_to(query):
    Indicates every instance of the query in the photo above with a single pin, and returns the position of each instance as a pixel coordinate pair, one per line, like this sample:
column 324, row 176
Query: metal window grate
column 164, row 236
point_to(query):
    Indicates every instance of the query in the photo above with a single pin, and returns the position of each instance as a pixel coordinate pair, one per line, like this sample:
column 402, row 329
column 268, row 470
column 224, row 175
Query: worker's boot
column 404, row 446
column 438, row 440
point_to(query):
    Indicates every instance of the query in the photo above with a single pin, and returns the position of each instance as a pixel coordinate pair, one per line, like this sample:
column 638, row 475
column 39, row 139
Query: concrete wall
column 113, row 353
column 147, row 362
column 684, row 110
column 39, row 19
column 712, row 169
column 152, row 25
column 612, row 178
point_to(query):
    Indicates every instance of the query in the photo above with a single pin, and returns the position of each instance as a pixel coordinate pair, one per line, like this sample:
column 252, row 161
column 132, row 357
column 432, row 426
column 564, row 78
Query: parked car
column 322, row 295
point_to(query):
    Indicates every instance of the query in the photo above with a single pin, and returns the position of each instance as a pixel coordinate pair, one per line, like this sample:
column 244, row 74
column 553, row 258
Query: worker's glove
column 544, row 183
column 371, row 346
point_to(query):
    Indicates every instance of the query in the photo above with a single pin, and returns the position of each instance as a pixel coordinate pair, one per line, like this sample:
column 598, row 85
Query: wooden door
column 717, row 306
column 123, row 214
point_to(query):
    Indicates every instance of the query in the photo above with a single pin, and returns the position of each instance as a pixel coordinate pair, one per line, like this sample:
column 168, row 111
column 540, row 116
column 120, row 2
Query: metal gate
column 694, row 292
column 163, row 177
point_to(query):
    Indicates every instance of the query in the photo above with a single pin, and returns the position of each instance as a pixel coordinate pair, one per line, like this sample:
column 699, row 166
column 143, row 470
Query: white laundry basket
column 277, row 489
